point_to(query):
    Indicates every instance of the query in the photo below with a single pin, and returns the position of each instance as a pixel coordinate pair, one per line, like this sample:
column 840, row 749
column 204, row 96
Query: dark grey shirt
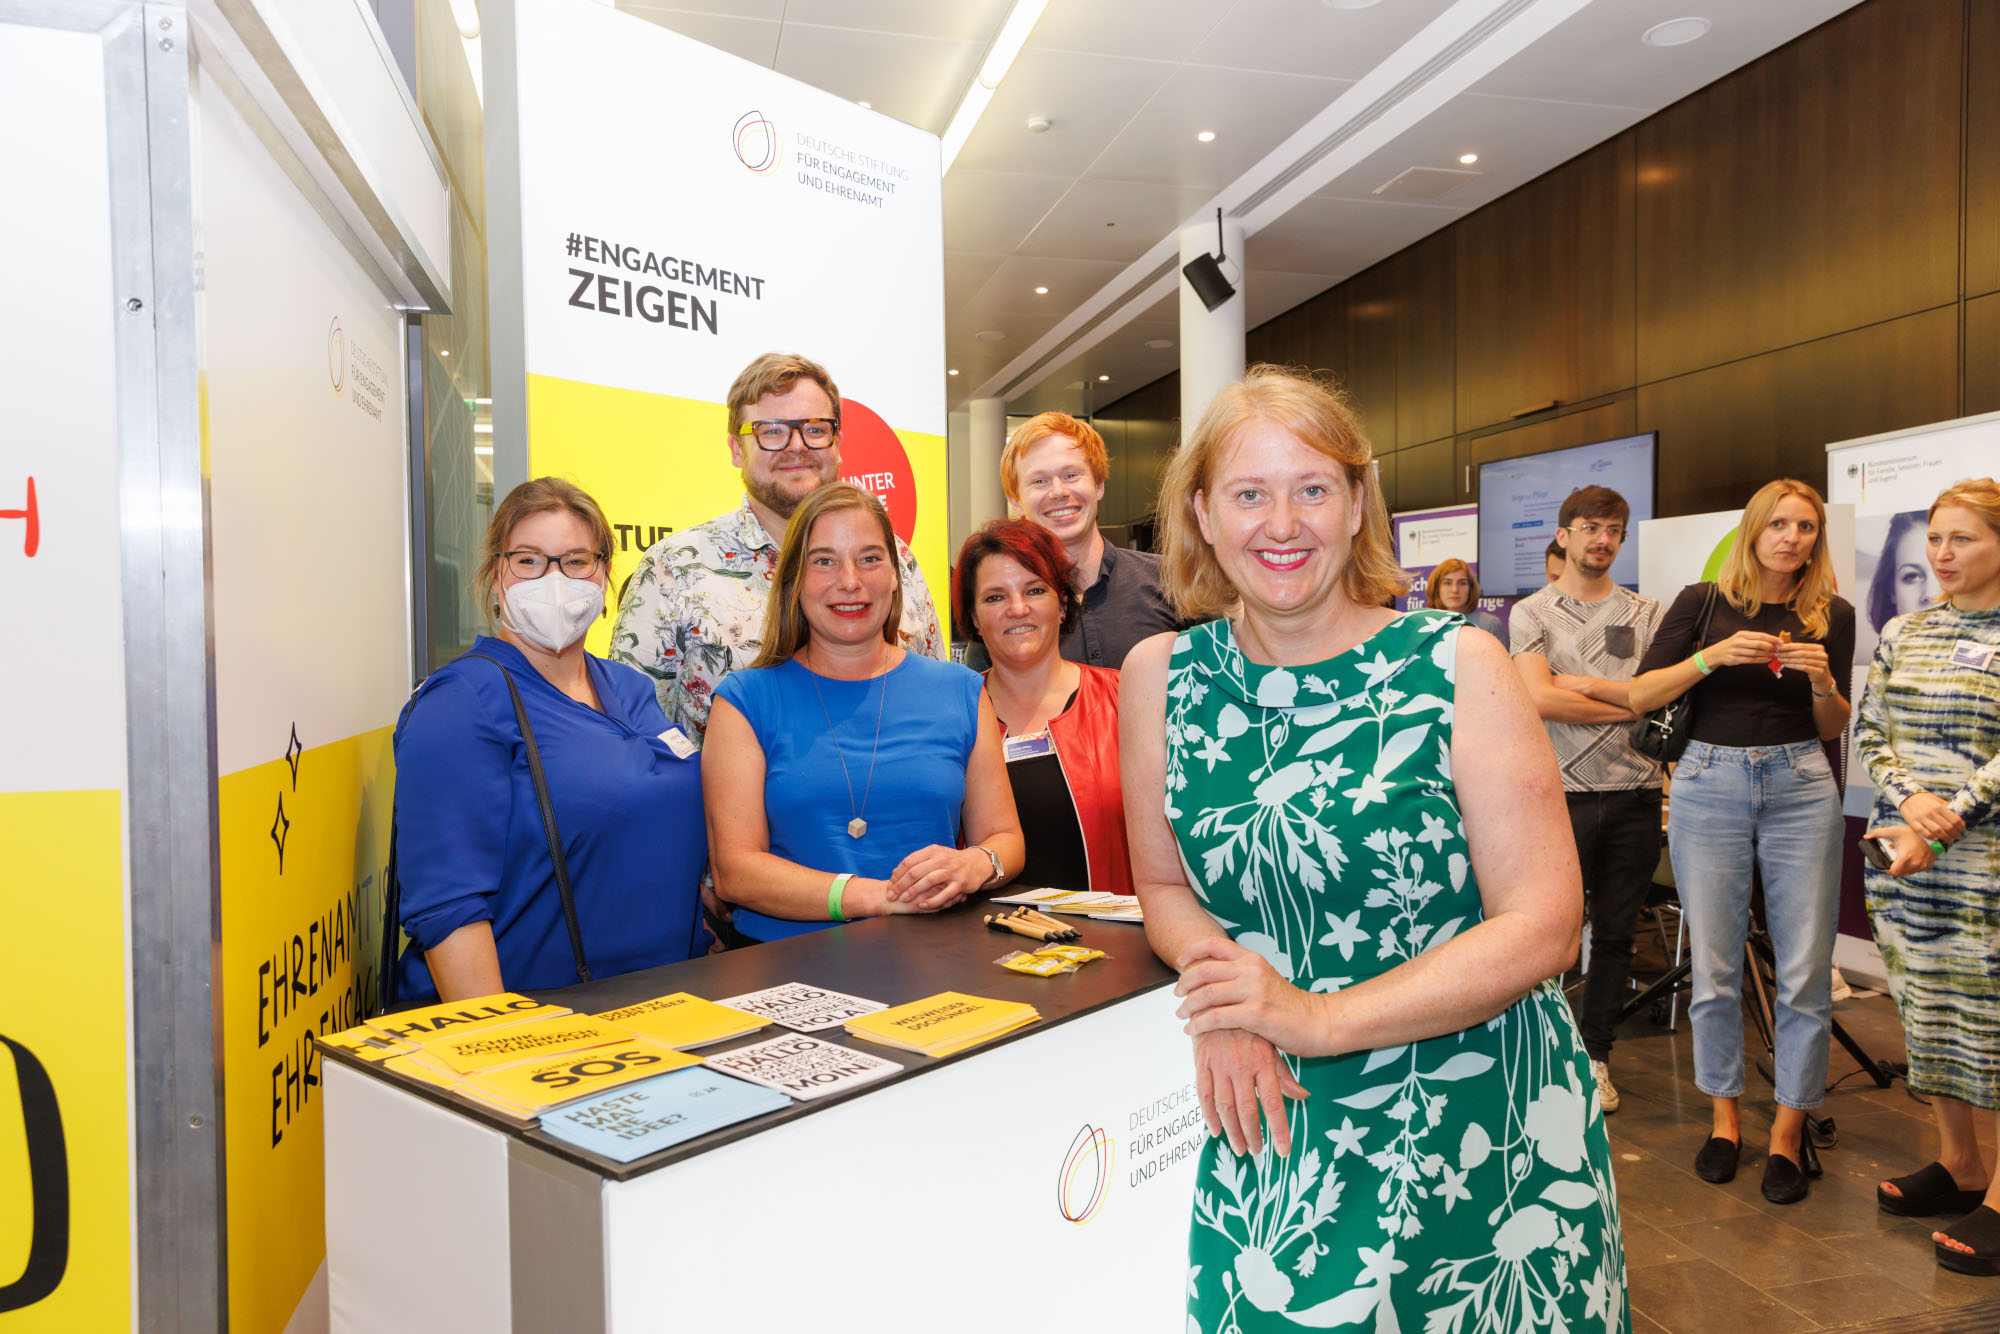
column 1124, row 606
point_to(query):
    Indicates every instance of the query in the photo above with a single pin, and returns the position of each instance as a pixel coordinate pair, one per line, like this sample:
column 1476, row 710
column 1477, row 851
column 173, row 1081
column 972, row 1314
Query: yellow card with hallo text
column 464, row 1016
column 682, row 1020
column 470, row 1053
column 579, row 1074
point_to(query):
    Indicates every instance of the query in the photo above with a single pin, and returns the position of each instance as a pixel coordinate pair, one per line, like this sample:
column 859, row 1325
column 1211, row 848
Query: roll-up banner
column 1891, row 480
column 65, row 1135
column 1426, row 539
column 303, row 429
column 683, row 211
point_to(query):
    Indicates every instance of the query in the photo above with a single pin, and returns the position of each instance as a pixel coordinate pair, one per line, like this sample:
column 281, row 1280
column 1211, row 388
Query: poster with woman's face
column 1893, row 573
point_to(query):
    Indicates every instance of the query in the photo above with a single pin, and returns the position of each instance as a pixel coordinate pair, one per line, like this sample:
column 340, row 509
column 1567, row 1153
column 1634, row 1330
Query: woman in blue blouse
column 480, row 900
column 843, row 771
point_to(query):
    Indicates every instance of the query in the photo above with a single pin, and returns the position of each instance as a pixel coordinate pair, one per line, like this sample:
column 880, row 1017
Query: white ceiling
column 1093, row 206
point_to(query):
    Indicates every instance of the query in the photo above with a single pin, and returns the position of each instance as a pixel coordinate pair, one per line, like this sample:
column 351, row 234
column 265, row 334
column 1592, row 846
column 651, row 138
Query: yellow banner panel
column 304, row 850
column 65, row 1196
column 658, row 464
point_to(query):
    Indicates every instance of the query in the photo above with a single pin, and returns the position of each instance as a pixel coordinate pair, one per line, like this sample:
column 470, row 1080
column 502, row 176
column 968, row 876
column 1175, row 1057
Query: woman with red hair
column 1012, row 589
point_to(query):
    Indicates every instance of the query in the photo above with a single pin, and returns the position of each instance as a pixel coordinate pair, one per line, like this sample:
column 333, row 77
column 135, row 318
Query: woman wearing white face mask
column 482, row 898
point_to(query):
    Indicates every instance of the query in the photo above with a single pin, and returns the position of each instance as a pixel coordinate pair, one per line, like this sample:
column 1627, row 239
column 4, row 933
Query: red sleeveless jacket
column 1086, row 745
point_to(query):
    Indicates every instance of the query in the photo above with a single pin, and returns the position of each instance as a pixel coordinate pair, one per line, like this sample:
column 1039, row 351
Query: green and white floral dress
column 1452, row 1186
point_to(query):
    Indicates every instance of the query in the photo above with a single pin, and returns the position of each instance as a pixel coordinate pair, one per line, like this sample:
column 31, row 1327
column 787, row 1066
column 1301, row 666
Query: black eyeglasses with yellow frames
column 775, row 433
column 527, row 564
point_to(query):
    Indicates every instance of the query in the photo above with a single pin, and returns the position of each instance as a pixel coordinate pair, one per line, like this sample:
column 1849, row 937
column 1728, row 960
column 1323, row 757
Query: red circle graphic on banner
column 873, row 459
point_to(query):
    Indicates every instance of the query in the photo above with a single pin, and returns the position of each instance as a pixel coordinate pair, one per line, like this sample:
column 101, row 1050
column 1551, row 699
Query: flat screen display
column 1520, row 498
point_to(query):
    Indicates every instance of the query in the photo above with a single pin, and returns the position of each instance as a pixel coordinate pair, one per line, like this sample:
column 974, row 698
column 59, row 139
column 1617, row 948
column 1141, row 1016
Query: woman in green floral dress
column 1349, row 836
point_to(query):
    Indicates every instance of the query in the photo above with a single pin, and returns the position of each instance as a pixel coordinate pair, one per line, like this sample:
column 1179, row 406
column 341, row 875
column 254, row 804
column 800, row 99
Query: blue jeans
column 1779, row 808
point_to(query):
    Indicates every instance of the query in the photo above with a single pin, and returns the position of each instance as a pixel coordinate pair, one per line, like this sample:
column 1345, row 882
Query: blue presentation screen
column 1520, row 498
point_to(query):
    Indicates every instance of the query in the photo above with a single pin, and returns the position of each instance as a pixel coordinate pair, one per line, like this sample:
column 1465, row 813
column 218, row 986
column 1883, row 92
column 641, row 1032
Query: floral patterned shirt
column 693, row 611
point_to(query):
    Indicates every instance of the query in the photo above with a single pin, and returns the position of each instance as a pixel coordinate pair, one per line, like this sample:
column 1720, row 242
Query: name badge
column 677, row 742
column 1028, row 747
column 1970, row 653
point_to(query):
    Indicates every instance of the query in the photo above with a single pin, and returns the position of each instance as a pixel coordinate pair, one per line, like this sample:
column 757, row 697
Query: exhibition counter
column 1046, row 1174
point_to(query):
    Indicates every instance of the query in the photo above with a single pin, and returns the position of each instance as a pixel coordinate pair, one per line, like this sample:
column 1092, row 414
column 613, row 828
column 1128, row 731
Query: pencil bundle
column 1035, row 926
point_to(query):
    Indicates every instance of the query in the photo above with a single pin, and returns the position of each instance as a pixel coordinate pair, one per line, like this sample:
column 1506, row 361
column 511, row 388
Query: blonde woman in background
column 1755, row 789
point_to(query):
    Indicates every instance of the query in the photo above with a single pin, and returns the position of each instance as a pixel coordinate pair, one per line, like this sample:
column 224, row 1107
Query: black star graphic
column 293, row 750
column 280, row 827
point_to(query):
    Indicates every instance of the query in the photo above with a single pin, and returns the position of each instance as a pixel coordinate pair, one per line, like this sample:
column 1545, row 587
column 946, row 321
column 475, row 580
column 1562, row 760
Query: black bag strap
column 1707, row 614
column 392, row 894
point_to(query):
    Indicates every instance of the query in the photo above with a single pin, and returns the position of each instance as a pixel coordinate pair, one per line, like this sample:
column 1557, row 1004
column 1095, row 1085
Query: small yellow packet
column 1076, row 954
column 1033, row 963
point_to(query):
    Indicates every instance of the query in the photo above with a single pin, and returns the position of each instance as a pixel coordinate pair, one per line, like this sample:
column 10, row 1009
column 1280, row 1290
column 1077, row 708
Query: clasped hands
column 1931, row 820
column 1754, row 646
column 1241, row 1015
column 928, row 880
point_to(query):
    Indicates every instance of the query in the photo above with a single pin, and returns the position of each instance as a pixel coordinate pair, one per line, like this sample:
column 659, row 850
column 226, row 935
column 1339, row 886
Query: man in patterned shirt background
column 1577, row 643
column 693, row 610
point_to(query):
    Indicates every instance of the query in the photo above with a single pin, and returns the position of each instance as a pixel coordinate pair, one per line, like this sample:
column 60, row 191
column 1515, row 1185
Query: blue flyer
column 644, row 1118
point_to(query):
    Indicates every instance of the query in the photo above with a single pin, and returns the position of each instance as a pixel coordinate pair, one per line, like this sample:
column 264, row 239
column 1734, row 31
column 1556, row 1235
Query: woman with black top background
column 1012, row 589
column 1755, row 788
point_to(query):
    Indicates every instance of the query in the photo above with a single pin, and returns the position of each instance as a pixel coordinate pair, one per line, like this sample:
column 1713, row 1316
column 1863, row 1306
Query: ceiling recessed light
column 990, row 335
column 869, row 105
column 1102, row 379
column 1467, row 159
column 951, row 372
column 1159, row 344
column 1676, row 32
column 1041, row 291
column 444, row 351
column 1205, row 137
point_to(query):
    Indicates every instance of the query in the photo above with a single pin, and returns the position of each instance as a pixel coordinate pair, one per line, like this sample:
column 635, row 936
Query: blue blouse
column 470, row 845
column 929, row 719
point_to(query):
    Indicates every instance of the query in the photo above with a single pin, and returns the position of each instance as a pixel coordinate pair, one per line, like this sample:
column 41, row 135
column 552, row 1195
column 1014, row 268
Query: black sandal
column 1980, row 1230
column 1928, row 1190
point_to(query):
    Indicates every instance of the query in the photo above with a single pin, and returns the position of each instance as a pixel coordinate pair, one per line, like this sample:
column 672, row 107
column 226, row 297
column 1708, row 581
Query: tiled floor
column 1705, row 1259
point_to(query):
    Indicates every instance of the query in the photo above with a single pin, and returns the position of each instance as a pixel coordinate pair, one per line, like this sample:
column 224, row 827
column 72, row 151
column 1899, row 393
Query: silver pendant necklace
column 857, row 826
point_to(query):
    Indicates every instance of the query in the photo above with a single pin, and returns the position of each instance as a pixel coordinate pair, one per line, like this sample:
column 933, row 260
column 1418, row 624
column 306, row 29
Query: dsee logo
column 1086, row 1174
column 758, row 146
column 336, row 357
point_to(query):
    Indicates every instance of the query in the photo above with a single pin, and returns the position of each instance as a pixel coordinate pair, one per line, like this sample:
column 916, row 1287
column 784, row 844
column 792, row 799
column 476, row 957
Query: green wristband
column 833, row 893
column 1937, row 848
column 1701, row 663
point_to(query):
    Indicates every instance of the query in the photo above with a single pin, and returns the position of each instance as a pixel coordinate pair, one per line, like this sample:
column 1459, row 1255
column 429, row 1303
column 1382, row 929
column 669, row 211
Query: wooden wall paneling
column 1153, row 444
column 1112, row 507
column 1607, row 421
column 1982, row 152
column 1726, row 431
column 1544, row 285
column 1812, row 191
column 1425, row 351
column 1982, row 357
column 1327, row 343
column 1426, row 475
column 1372, row 309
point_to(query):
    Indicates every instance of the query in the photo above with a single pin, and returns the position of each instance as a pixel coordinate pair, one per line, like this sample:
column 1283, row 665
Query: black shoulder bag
column 1662, row 734
column 392, row 894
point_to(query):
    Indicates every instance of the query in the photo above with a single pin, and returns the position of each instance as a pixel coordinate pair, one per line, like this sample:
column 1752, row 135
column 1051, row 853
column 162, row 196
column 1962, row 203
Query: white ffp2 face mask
column 552, row 612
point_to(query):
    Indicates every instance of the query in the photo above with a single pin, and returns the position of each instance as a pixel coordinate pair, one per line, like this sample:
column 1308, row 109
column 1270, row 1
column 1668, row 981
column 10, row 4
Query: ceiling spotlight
column 1103, row 379
column 990, row 335
column 1159, row 344
column 1676, row 32
column 1467, row 159
column 1205, row 137
column 1041, row 291
column 444, row 351
column 951, row 372
column 1204, row 273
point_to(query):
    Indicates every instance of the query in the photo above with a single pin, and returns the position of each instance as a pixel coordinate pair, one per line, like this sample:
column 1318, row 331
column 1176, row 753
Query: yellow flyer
column 682, row 1020
column 470, row 1053
column 464, row 1016
column 579, row 1074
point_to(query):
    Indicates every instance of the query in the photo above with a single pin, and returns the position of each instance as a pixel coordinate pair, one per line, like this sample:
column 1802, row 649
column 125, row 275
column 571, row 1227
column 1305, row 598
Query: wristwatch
column 998, row 870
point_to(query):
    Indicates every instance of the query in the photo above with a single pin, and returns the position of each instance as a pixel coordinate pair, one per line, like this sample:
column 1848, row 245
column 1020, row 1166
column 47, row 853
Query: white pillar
column 988, row 438
column 958, row 478
column 1211, row 340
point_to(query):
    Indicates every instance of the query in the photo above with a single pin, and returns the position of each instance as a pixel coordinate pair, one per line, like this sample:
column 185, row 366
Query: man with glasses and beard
column 1577, row 644
column 693, row 610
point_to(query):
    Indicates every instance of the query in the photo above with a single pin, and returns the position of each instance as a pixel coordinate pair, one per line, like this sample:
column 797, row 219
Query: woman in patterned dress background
column 1349, row 836
column 1929, row 731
